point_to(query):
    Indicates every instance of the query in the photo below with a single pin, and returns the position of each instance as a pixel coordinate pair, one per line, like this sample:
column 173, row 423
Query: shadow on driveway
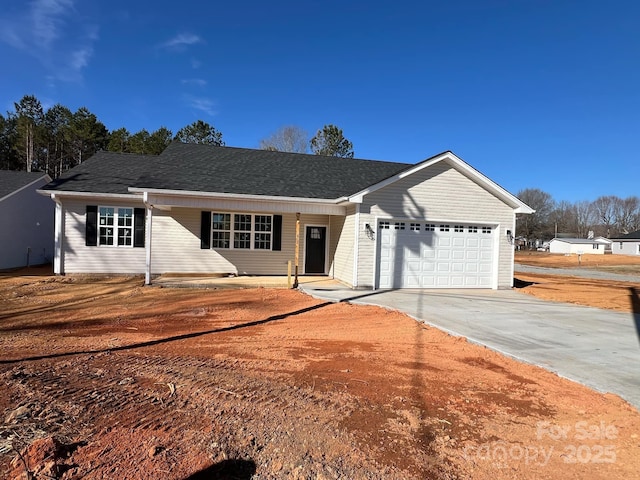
column 634, row 293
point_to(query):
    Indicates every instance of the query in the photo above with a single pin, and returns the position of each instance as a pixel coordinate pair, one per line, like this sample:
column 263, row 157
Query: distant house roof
column 581, row 240
column 206, row 168
column 12, row 181
column 628, row 237
column 603, row 239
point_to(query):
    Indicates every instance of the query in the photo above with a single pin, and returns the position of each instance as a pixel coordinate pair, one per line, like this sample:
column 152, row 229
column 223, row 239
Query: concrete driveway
column 598, row 348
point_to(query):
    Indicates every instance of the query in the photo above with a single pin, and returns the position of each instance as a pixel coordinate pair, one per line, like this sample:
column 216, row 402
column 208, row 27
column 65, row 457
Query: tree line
column 608, row 216
column 57, row 139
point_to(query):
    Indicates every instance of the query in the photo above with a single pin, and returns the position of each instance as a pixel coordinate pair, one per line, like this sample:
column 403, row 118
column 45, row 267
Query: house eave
column 238, row 196
column 89, row 195
column 168, row 199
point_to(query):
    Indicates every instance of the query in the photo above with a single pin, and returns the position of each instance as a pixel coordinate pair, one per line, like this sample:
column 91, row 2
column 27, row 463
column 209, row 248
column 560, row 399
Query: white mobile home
column 580, row 246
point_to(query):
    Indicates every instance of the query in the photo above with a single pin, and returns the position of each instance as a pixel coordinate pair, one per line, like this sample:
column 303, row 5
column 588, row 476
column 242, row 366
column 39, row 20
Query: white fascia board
column 24, row 187
column 237, row 196
column 61, row 194
column 462, row 166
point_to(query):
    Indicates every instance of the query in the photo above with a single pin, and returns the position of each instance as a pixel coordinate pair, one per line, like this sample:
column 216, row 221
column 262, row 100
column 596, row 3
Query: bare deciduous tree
column 604, row 210
column 286, row 139
column 536, row 225
column 584, row 218
column 625, row 213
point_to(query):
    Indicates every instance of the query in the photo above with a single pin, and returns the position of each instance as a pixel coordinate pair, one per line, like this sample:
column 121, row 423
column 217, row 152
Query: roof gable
column 14, row 181
column 461, row 166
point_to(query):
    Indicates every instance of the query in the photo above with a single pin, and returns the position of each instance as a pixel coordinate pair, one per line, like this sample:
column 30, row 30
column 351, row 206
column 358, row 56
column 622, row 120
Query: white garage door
column 434, row 255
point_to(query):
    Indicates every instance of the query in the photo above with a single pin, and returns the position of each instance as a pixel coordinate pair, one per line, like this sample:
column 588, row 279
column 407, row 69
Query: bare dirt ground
column 105, row 378
column 609, row 294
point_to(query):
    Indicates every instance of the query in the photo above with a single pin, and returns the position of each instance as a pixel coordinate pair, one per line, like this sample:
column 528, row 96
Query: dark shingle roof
column 192, row 167
column 105, row 172
column 10, row 180
column 630, row 236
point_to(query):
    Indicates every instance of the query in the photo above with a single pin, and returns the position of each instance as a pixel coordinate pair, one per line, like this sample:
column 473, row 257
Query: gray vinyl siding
column 438, row 193
column 26, row 228
column 176, row 247
column 78, row 258
column 343, row 243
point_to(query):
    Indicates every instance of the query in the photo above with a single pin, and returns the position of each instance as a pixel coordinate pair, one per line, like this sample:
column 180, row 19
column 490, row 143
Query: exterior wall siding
column 437, row 193
column 78, row 258
column 558, row 246
column 626, row 247
column 26, row 232
column 176, row 247
column 343, row 243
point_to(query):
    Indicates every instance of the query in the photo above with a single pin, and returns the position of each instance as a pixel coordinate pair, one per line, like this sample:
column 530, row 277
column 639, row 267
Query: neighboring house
column 579, row 245
column 26, row 220
column 627, row 244
column 607, row 243
column 205, row 209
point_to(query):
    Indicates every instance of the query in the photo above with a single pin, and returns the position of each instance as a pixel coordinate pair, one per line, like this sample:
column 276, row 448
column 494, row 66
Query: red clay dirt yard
column 104, row 378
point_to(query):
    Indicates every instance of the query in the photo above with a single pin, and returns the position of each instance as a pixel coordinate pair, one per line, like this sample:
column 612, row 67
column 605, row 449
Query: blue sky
column 533, row 93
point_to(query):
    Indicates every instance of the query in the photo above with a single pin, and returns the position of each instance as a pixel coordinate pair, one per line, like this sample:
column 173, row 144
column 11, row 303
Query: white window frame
column 253, row 233
column 116, row 227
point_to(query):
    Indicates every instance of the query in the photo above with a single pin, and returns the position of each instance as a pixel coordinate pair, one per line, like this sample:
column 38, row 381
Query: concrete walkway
column 598, row 348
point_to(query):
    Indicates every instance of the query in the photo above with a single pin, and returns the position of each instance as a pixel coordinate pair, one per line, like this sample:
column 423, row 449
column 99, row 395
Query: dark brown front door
column 315, row 245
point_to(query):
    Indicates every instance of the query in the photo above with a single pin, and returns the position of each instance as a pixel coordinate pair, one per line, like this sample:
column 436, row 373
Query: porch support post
column 58, row 238
column 297, row 254
column 147, row 243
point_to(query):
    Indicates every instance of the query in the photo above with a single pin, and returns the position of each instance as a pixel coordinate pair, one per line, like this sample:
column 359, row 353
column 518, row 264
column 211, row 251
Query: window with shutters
column 221, row 230
column 241, row 231
column 115, row 226
column 263, row 230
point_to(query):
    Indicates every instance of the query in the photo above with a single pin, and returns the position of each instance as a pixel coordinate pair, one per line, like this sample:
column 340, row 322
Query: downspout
column 57, row 242
column 147, row 240
column 513, row 250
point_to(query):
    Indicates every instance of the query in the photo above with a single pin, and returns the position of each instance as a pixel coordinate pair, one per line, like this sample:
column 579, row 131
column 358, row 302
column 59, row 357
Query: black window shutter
column 205, row 230
column 277, row 232
column 138, row 227
column 91, row 226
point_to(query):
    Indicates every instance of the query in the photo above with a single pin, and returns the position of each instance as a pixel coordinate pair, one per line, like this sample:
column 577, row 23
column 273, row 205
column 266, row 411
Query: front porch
column 241, row 281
